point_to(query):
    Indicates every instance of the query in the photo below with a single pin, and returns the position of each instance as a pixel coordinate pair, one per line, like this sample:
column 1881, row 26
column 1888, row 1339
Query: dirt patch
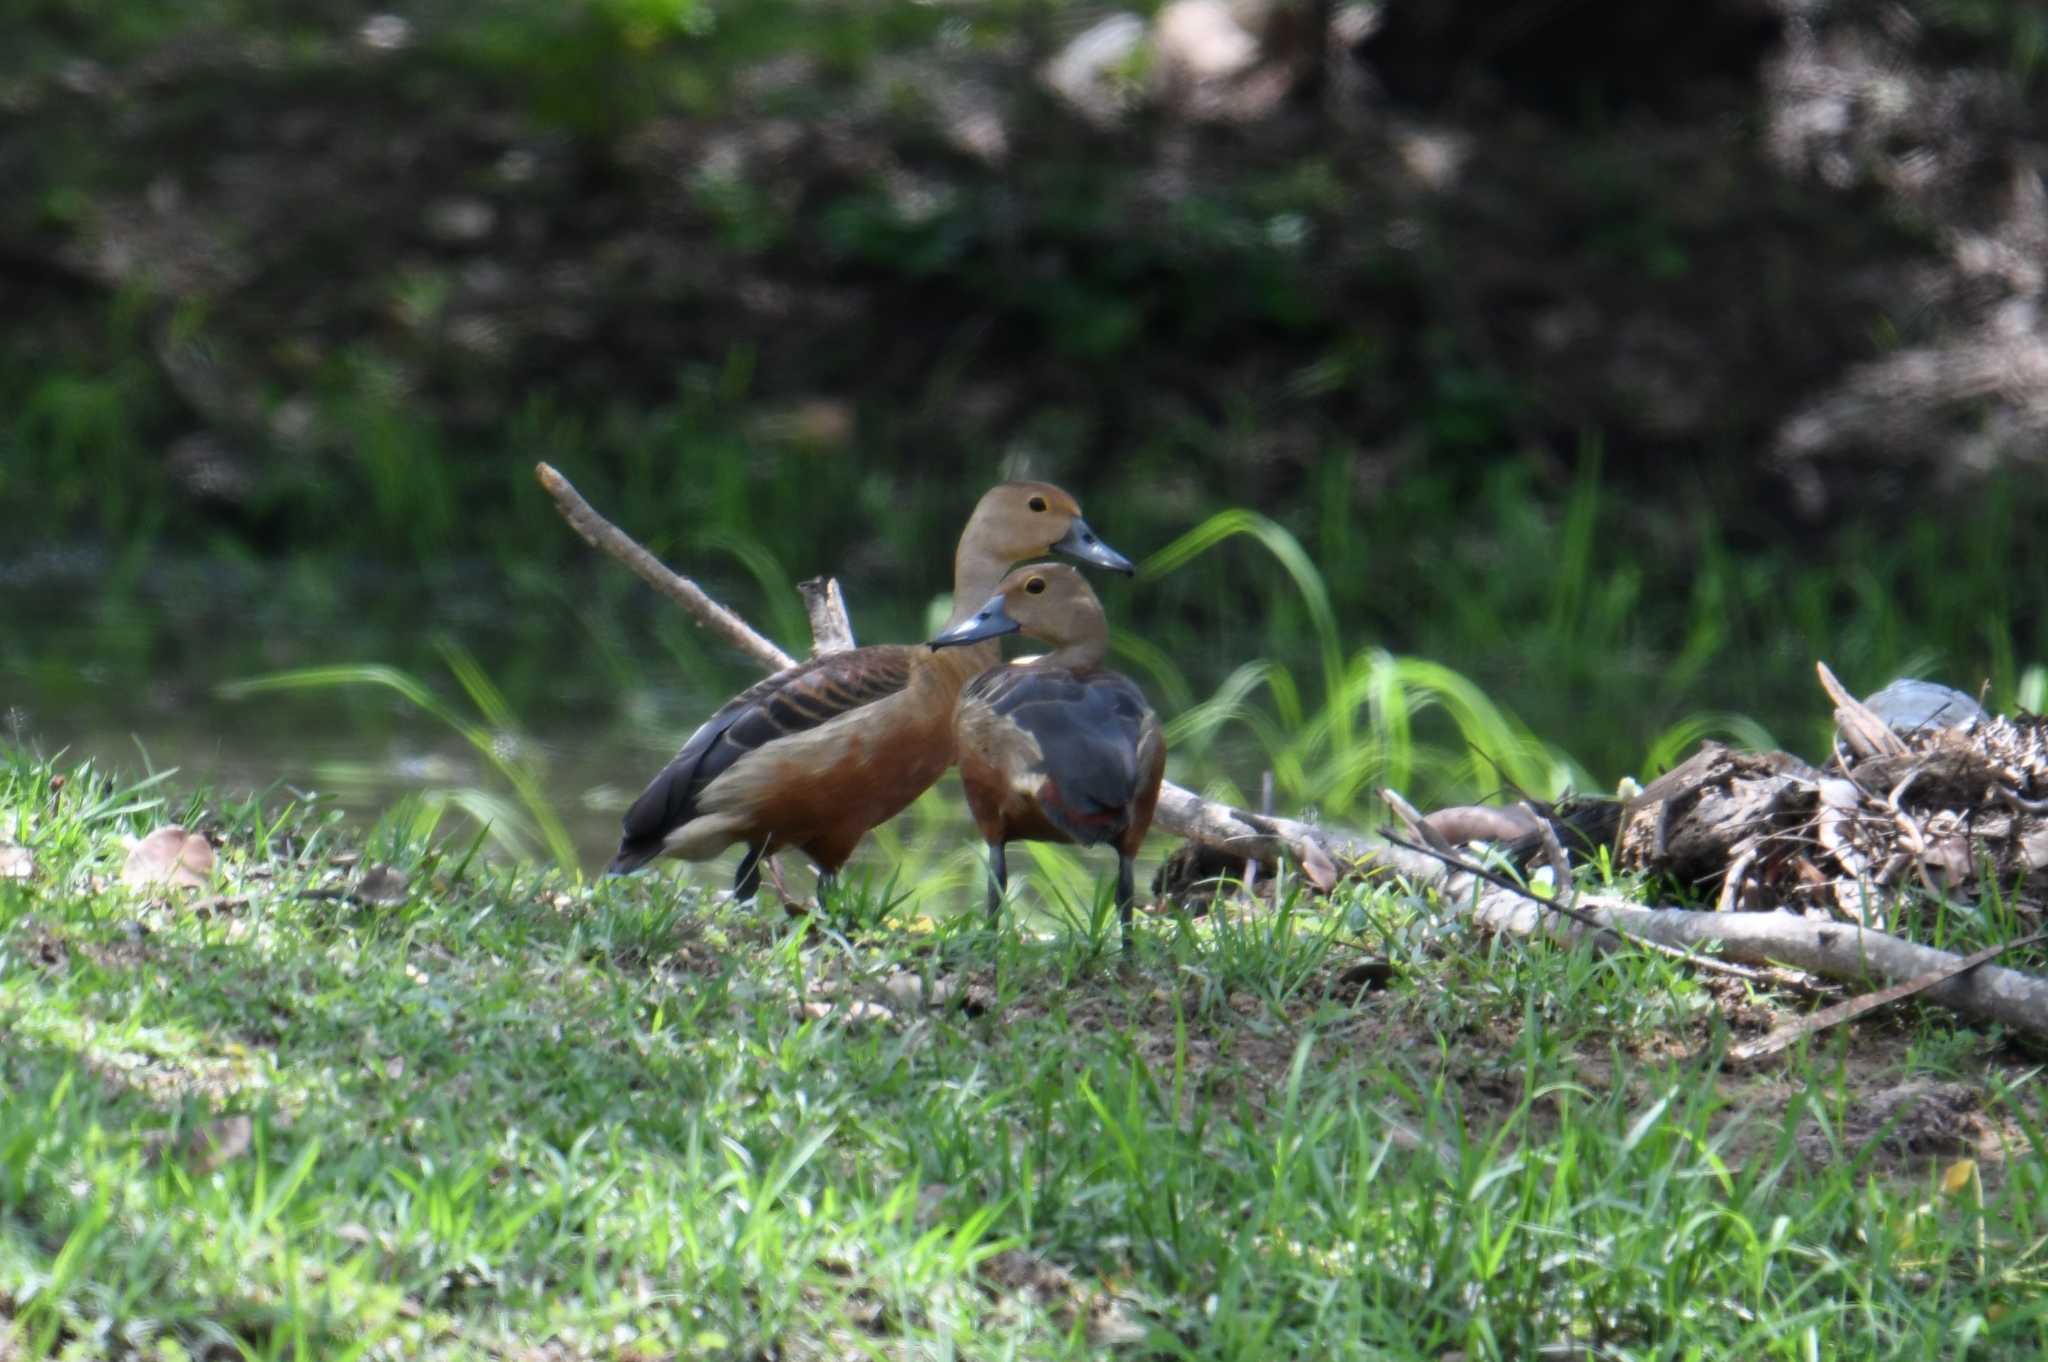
column 1916, row 1118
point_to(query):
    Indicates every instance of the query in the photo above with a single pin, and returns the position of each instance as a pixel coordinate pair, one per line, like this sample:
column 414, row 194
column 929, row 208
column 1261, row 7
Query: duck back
column 792, row 701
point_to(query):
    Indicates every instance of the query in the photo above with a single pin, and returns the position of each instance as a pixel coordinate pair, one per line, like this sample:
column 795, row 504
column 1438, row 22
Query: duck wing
column 1094, row 733
column 791, row 701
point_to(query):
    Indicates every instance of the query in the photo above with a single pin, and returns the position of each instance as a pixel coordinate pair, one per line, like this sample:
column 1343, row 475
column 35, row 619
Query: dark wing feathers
column 1089, row 727
column 791, row 701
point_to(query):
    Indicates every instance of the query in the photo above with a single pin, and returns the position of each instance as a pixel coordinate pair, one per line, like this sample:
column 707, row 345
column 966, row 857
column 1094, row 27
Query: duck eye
column 1036, row 503
column 1035, row 585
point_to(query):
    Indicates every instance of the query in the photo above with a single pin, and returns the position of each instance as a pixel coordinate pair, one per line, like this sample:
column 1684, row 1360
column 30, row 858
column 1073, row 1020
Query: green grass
column 517, row 1116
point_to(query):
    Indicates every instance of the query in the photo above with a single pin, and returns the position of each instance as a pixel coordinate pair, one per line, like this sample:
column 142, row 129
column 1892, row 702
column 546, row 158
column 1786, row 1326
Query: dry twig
column 831, row 630
column 1785, row 1037
column 600, row 533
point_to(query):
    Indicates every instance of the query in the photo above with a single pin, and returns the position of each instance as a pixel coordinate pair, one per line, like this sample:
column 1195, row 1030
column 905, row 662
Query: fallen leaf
column 851, row 1013
column 1112, row 1324
column 907, row 990
column 1957, row 1176
column 169, row 858
column 218, row 1141
column 382, row 886
column 1367, row 975
column 929, row 1198
column 15, row 862
column 1318, row 869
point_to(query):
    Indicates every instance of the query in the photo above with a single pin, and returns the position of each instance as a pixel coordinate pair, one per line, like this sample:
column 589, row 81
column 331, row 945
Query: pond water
column 131, row 679
column 369, row 761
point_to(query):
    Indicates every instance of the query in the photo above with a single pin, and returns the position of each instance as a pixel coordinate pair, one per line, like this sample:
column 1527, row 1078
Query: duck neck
column 976, row 574
column 938, row 674
column 1080, row 654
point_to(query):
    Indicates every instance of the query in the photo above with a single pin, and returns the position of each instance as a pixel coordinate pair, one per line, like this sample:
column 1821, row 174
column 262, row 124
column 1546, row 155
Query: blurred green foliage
column 1254, row 358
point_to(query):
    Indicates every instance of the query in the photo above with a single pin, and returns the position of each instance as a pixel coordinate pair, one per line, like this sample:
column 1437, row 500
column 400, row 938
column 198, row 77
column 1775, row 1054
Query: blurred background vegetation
column 1566, row 377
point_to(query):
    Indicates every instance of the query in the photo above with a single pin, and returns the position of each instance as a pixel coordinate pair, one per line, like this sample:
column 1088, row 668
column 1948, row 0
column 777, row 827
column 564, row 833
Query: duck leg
column 775, row 878
column 998, row 882
column 1126, row 891
column 746, row 881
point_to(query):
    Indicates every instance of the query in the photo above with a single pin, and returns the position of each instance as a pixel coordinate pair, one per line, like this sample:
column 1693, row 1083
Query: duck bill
column 991, row 621
column 1081, row 544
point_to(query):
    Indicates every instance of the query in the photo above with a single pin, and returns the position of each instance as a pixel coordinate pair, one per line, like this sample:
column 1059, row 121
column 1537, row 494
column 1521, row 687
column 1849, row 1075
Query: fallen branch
column 1785, row 1037
column 831, row 630
column 1866, row 734
column 1833, row 950
column 600, row 533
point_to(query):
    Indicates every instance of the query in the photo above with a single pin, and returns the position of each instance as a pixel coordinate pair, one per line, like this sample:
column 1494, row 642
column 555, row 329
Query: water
column 326, row 748
column 596, row 728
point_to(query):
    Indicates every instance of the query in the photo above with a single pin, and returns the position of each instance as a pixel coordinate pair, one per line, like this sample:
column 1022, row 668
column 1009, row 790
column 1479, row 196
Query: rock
column 169, row 858
column 1091, row 71
column 1201, row 40
column 1907, row 706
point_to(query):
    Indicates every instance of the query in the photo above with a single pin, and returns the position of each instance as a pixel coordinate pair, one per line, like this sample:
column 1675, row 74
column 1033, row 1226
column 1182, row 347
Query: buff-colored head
column 1050, row 602
column 1018, row 520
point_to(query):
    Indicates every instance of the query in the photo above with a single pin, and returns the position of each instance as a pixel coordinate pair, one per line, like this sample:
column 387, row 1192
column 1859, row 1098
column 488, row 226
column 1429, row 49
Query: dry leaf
column 15, row 862
column 1318, row 869
column 851, row 1013
column 382, row 887
column 1957, row 1176
column 218, row 1141
column 169, row 858
column 907, row 990
column 1112, row 1324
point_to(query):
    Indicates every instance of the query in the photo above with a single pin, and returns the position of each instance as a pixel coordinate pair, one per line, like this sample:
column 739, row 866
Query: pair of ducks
column 1057, row 749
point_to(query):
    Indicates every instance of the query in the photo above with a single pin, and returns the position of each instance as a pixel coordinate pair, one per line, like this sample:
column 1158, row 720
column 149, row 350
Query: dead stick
column 831, row 630
column 1833, row 950
column 1785, row 1037
column 602, row 534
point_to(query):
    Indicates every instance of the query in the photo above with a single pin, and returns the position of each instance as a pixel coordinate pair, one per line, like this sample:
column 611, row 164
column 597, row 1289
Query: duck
column 817, row 754
column 1055, row 748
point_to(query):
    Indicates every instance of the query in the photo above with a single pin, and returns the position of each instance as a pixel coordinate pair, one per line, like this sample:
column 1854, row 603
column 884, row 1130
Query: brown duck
column 817, row 754
column 1058, row 748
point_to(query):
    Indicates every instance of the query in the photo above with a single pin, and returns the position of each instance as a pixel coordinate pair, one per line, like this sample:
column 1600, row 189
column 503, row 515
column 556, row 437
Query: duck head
column 1016, row 520
column 1050, row 602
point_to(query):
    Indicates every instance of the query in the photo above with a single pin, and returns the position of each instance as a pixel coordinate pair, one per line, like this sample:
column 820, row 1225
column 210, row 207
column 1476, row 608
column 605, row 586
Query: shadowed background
column 1619, row 363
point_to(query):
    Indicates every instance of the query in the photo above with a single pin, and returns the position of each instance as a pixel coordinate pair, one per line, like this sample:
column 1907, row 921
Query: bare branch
column 1988, row 993
column 1866, row 734
column 831, row 630
column 602, row 534
column 1564, row 885
column 1785, row 1037
column 1320, row 852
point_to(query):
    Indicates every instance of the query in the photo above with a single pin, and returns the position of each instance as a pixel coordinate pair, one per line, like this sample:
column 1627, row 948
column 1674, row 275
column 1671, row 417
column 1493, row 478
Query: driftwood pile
column 1810, row 867
column 1892, row 822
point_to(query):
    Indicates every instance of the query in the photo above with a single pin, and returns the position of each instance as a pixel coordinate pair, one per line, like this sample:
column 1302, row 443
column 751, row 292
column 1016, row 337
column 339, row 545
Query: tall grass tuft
column 1379, row 720
column 498, row 739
